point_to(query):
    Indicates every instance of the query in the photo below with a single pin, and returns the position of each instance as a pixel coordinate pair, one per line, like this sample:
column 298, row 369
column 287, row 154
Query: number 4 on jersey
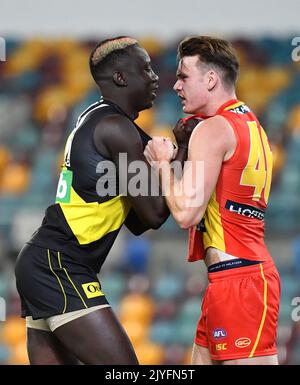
column 258, row 171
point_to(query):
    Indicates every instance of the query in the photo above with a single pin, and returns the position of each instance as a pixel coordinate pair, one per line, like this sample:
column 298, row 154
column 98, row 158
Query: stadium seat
column 188, row 356
column 290, row 285
column 295, row 354
column 4, row 283
column 174, row 354
column 163, row 332
column 285, row 309
column 26, row 57
column 19, row 354
column 5, row 354
column 137, row 332
column 294, row 119
column 186, row 329
column 190, row 309
column 149, row 353
column 138, row 307
column 152, row 45
column 279, row 157
column 15, row 179
column 146, row 120
column 136, row 254
column 284, row 333
column 113, row 285
column 168, row 286
column 14, row 331
column 5, row 158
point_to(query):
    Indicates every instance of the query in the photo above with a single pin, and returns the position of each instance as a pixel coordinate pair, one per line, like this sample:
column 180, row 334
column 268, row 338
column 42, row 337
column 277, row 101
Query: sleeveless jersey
column 234, row 218
column 82, row 223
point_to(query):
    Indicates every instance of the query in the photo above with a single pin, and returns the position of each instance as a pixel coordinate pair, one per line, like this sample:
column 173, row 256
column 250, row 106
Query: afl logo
column 219, row 333
column 242, row 342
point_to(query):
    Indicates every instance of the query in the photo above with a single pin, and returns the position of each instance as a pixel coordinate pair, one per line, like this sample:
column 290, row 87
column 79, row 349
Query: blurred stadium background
column 45, row 84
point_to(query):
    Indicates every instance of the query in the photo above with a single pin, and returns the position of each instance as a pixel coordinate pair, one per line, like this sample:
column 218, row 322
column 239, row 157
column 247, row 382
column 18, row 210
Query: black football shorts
column 50, row 283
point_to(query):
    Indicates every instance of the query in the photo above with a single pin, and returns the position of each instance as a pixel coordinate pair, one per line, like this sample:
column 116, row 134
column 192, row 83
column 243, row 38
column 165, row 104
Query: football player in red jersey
column 225, row 213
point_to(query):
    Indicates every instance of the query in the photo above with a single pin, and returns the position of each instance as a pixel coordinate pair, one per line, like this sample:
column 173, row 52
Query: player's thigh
column 45, row 349
column 201, row 355
column 264, row 360
column 97, row 338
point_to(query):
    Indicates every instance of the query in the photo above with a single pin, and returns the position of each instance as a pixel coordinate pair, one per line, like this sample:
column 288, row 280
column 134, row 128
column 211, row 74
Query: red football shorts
column 240, row 312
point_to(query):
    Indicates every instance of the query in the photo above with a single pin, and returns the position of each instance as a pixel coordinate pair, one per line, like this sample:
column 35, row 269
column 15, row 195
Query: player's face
column 143, row 81
column 190, row 85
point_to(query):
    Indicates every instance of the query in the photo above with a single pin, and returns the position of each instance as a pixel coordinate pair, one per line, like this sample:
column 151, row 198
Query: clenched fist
column 159, row 149
column 183, row 130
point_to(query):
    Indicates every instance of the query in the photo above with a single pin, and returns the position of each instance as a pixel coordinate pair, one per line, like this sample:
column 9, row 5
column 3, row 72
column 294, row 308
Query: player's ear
column 211, row 80
column 120, row 79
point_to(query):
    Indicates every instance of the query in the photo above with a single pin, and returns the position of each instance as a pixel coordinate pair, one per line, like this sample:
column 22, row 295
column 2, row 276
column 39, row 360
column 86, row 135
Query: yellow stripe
column 57, row 277
column 234, row 106
column 59, row 261
column 264, row 312
column 214, row 235
column 75, row 288
column 90, row 222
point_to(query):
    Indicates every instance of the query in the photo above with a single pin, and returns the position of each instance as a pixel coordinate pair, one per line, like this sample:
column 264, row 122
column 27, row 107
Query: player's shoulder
column 216, row 126
column 215, row 131
column 115, row 121
column 217, row 121
column 116, row 133
column 116, row 124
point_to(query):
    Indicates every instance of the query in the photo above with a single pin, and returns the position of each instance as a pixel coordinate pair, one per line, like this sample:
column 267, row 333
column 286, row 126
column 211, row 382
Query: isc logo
column 219, row 333
column 221, row 346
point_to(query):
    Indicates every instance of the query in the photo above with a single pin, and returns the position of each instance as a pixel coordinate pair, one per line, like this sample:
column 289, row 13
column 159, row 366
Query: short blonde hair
column 105, row 48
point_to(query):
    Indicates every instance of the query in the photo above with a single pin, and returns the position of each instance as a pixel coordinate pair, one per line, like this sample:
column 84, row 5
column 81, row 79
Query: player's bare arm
column 185, row 208
column 114, row 135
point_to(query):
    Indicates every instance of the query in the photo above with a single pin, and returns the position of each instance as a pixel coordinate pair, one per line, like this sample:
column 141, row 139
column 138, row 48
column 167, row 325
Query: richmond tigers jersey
column 83, row 224
column 234, row 218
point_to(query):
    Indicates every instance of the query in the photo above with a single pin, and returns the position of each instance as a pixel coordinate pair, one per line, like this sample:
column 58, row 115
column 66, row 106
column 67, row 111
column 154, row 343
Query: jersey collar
column 229, row 105
column 233, row 103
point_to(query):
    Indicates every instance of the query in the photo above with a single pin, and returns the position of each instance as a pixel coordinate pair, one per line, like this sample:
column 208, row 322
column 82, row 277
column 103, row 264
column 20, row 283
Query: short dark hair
column 108, row 52
column 210, row 50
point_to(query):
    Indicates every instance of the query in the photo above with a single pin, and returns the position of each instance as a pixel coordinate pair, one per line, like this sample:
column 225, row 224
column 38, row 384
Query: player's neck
column 217, row 101
column 124, row 105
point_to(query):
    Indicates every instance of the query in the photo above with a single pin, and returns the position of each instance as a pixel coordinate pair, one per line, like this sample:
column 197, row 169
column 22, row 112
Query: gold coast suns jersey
column 234, row 218
column 82, row 223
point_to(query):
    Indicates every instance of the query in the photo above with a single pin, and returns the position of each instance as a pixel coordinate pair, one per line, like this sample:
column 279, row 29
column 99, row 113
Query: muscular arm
column 182, row 135
column 132, row 221
column 116, row 135
column 211, row 142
